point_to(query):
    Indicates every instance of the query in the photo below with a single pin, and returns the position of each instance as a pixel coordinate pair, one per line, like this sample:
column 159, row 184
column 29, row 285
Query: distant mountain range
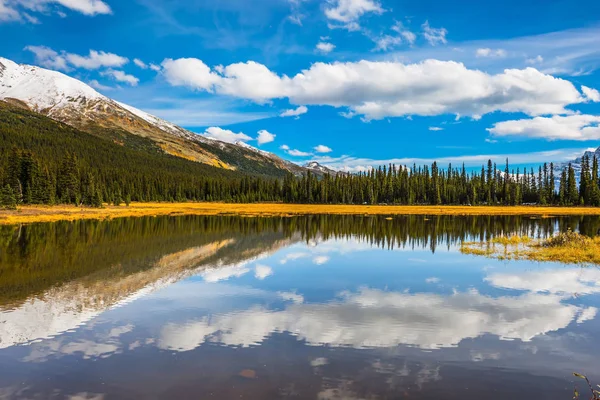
column 73, row 102
column 576, row 164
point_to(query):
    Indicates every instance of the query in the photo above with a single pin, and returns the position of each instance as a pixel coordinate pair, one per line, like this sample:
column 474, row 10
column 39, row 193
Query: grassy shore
column 568, row 248
column 30, row 214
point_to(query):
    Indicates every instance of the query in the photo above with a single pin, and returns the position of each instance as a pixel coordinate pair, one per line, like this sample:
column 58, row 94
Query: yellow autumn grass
column 568, row 248
column 30, row 214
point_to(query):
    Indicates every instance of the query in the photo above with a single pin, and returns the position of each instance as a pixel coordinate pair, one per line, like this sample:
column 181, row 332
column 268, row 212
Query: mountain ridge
column 68, row 100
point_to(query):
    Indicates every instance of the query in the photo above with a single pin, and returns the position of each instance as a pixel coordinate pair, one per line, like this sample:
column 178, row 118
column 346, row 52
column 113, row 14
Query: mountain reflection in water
column 322, row 307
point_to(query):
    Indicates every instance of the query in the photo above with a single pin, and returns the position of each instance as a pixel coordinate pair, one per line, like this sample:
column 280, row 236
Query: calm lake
column 315, row 307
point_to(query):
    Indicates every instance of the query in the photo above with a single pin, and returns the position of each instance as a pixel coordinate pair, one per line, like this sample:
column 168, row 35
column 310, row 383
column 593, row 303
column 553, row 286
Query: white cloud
column 293, row 256
column 225, row 135
column 8, row 13
column 374, row 318
column 591, row 94
column 294, row 112
column 387, row 42
column 570, row 281
column 284, row 147
column 19, row 10
column 190, row 72
column 263, row 271
column 155, row 67
column 218, row 274
column 121, row 76
column 570, row 127
column 432, row 280
column 435, row 128
column 322, row 149
column 348, row 12
column 487, row 52
column 86, row 7
column 319, row 362
column 298, row 153
column 320, row 260
column 325, row 47
column 95, row 60
column 434, row 36
column 378, row 90
column 140, row 63
column 46, row 57
column 50, row 58
column 406, row 34
column 265, row 136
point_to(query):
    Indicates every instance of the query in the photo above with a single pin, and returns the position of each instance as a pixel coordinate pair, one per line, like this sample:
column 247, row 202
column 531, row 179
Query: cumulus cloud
column 218, row 274
column 96, row 59
column 378, row 90
column 434, row 36
column 297, row 112
column 487, row 52
column 19, row 10
column 262, row 271
column 46, row 57
column 435, row 128
column 322, row 149
column 225, row 135
column 265, row 136
column 591, row 94
column 121, row 76
column 374, row 318
column 64, row 61
column 570, row 127
column 325, row 47
column 556, row 281
column 320, row 260
column 347, row 13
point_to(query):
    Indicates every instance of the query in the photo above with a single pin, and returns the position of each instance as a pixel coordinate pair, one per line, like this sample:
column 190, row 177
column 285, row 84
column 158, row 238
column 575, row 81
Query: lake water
column 319, row 307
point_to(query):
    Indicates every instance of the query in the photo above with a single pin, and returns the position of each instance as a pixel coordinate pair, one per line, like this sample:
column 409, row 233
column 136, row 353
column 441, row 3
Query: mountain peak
column 68, row 100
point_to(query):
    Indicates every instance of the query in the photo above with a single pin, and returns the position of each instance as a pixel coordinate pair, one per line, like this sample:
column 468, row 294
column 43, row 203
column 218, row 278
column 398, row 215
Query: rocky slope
column 71, row 101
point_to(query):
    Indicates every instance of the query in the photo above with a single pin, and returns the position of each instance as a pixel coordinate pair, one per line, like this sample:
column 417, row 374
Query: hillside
column 71, row 101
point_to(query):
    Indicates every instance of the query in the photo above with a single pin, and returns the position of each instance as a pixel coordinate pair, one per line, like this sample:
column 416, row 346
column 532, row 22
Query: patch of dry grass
column 30, row 214
column 568, row 248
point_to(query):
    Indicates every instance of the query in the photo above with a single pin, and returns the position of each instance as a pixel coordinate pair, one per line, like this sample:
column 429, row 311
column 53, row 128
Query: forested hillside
column 47, row 162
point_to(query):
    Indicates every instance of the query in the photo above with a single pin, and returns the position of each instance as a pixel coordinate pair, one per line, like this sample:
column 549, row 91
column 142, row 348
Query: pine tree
column 7, row 198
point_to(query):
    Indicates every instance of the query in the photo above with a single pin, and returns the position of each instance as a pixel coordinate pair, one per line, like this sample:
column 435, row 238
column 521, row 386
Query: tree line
column 28, row 179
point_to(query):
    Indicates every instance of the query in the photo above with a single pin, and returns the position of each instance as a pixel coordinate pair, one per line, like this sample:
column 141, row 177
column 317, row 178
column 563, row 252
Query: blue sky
column 362, row 82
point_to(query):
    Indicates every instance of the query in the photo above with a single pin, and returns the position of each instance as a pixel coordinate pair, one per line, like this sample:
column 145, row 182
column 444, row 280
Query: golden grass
column 568, row 248
column 30, row 214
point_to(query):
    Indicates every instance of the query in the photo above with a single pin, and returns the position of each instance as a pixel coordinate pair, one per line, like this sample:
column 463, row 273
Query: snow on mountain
column 161, row 123
column 315, row 167
column 42, row 89
column 71, row 101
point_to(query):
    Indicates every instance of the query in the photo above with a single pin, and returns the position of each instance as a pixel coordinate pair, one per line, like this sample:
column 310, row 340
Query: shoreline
column 33, row 214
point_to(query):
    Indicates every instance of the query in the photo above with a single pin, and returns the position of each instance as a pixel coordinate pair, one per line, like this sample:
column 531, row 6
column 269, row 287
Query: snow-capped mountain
column 576, row 164
column 319, row 169
column 73, row 102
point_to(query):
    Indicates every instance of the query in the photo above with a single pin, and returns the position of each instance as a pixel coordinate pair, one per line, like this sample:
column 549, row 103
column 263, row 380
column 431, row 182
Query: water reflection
column 305, row 307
